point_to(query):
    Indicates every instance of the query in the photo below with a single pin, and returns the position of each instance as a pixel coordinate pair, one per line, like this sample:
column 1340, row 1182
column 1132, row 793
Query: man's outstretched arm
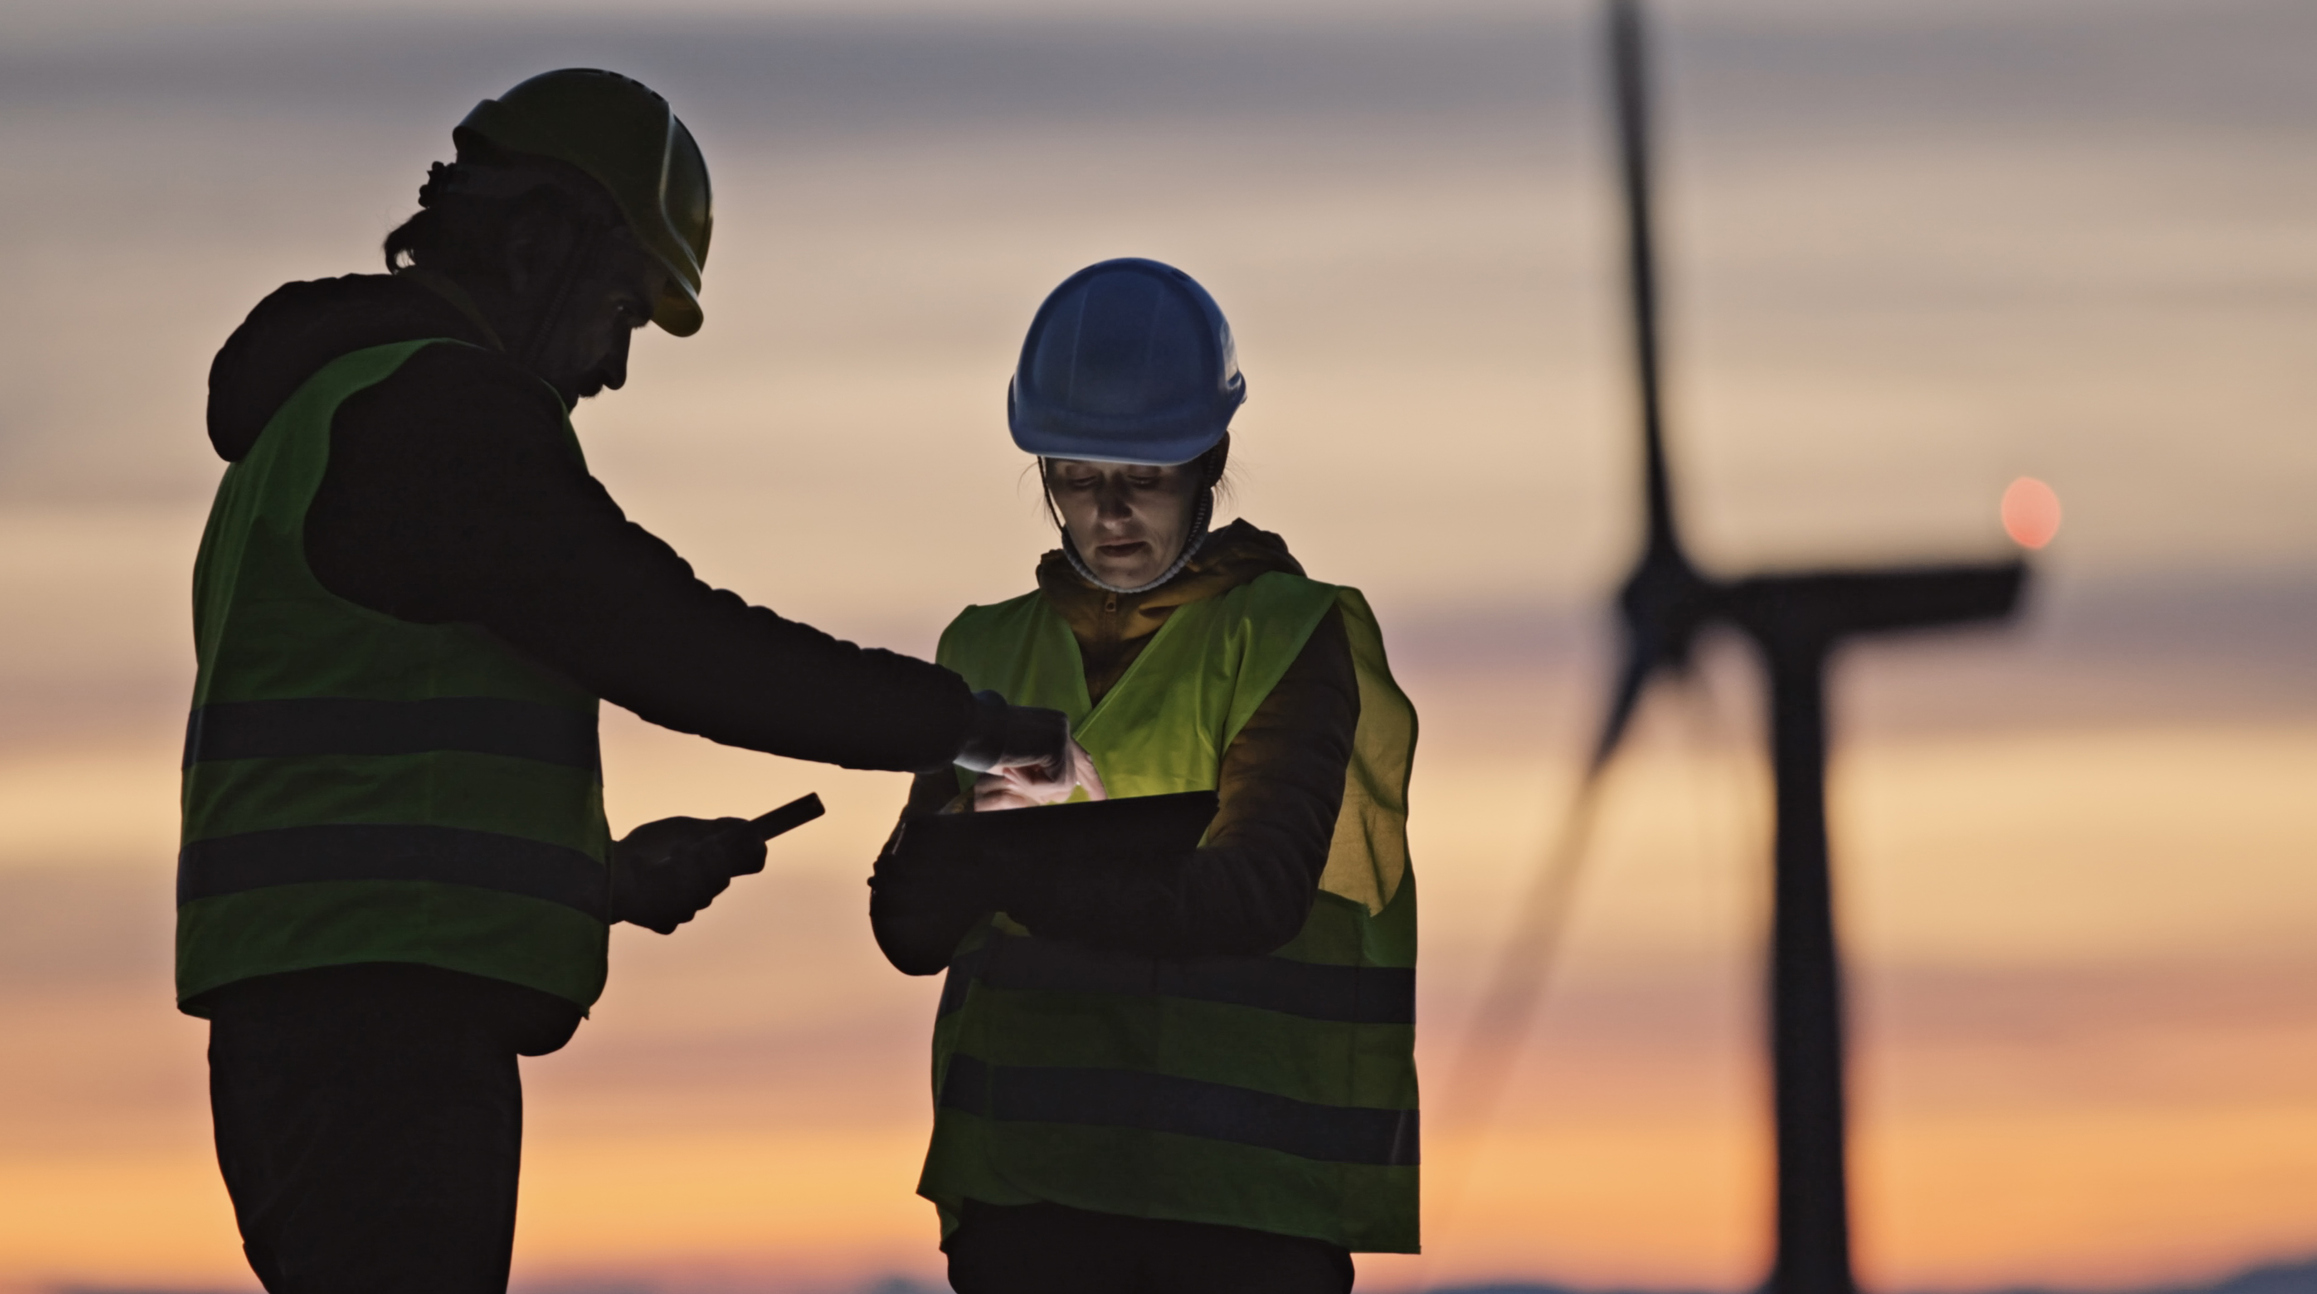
column 452, row 496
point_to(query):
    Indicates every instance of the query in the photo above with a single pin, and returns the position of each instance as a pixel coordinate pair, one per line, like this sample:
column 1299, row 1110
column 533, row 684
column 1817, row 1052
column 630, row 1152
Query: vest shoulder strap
column 1020, row 649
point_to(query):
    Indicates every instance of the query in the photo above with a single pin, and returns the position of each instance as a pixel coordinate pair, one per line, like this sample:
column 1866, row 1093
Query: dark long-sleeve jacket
column 452, row 495
column 1246, row 890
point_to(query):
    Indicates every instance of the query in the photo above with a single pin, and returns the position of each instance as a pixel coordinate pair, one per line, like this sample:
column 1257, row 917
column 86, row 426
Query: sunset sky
column 1916, row 249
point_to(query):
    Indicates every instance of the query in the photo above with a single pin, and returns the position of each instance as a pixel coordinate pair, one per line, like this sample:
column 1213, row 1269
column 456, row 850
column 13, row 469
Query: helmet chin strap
column 550, row 320
column 1201, row 514
column 506, row 184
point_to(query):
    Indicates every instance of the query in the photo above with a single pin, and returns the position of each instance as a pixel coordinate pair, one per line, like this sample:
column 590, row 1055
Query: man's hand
column 1027, row 738
column 1023, row 788
column 663, row 873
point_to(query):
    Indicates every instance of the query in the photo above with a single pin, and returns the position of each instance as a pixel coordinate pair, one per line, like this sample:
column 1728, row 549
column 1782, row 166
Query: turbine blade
column 1494, row 1034
column 1632, row 677
column 1629, row 86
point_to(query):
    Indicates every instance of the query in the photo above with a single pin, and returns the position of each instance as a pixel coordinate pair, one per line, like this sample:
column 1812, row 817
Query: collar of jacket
column 442, row 285
column 1231, row 557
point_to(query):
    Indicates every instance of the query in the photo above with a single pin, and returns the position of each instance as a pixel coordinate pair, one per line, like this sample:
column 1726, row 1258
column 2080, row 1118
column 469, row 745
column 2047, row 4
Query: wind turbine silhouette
column 1795, row 621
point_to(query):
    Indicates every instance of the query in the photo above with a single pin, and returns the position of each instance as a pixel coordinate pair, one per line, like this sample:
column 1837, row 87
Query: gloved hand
column 1032, row 743
column 663, row 873
column 1013, row 788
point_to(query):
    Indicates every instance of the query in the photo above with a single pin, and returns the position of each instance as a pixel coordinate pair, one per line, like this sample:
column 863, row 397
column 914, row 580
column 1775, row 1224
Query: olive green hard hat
column 626, row 136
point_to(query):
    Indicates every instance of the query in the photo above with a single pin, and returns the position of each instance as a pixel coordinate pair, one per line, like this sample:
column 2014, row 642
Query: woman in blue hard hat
column 1186, row 1072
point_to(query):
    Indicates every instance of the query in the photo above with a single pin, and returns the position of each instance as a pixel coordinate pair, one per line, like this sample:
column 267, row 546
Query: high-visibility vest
column 360, row 788
column 1274, row 1092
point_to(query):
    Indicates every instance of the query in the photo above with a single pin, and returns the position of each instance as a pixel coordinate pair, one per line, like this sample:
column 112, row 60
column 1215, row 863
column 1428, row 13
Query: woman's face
column 1127, row 520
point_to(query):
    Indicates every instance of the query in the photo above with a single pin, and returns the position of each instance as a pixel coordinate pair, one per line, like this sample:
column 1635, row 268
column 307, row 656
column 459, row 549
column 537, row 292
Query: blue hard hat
column 1129, row 361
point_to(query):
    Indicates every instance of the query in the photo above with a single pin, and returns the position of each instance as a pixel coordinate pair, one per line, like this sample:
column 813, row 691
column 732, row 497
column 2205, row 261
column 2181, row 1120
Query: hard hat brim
column 678, row 310
column 1132, row 441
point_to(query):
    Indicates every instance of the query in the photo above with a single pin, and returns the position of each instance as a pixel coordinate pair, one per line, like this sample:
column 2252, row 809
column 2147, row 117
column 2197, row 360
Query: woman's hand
column 1022, row 788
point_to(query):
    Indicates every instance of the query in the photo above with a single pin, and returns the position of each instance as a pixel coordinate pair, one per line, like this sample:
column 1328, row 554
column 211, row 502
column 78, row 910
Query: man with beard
column 396, row 876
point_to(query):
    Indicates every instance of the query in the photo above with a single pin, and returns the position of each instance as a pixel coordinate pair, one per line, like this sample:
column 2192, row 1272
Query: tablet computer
column 1145, row 826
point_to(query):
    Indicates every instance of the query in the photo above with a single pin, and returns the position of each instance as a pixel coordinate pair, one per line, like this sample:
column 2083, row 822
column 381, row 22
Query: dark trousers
column 370, row 1124
column 1049, row 1249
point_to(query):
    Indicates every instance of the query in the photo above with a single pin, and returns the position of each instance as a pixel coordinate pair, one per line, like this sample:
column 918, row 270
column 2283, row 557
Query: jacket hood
column 291, row 334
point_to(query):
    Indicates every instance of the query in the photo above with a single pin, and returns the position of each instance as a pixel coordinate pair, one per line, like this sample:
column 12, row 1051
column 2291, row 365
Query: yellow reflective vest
column 1274, row 1092
column 360, row 788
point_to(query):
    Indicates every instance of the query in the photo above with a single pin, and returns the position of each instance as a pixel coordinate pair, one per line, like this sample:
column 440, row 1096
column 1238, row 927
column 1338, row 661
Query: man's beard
column 591, row 383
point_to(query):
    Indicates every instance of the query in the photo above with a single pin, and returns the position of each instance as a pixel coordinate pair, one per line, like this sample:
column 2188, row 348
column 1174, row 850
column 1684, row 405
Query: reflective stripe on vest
column 345, row 726
column 363, row 788
column 1151, row 1102
column 1274, row 1092
column 1311, row 990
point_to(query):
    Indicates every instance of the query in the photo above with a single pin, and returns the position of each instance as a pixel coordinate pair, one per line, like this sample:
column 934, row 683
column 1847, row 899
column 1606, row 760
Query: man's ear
column 524, row 264
column 538, row 243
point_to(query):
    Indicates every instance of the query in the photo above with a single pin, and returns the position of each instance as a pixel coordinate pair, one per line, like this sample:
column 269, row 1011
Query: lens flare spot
column 2031, row 512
